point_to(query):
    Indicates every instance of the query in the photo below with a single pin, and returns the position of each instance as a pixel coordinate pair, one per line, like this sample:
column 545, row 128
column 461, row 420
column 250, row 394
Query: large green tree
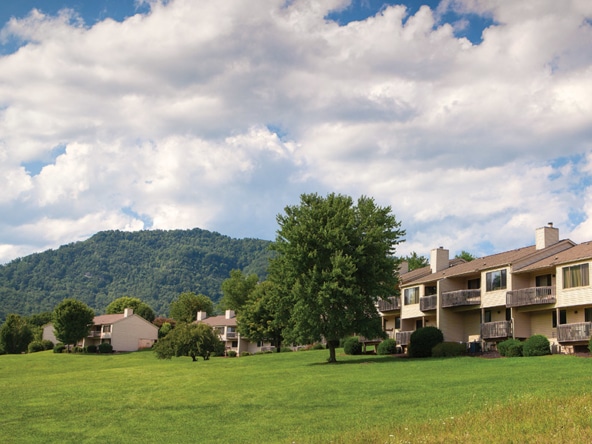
column 15, row 334
column 236, row 290
column 335, row 260
column 415, row 261
column 186, row 306
column 72, row 320
column 263, row 316
column 140, row 308
column 188, row 340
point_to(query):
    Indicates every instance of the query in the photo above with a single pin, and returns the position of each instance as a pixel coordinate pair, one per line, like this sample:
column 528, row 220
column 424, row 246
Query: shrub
column 515, row 350
column 59, row 347
column 318, row 346
column 423, row 340
column 352, row 346
column 286, row 349
column 35, row 346
column 245, row 354
column 105, row 347
column 449, row 349
column 91, row 349
column 78, row 350
column 231, row 354
column 503, row 346
column 590, row 345
column 47, row 344
column 387, row 347
column 536, row 345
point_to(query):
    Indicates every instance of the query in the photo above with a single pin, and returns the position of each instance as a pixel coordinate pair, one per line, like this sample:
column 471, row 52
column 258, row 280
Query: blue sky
column 471, row 120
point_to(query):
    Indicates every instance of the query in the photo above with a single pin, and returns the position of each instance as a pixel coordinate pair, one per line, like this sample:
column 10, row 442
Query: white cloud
column 218, row 115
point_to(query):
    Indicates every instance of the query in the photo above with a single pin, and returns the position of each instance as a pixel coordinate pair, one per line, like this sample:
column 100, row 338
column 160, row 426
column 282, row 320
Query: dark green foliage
column 91, row 349
column 414, row 261
column 186, row 306
column 423, row 340
column 140, row 308
column 318, row 346
column 245, row 354
column 237, row 289
column 449, row 349
column 47, row 344
column 335, row 260
column 231, row 354
column 387, row 347
column 164, row 330
column 189, row 340
column 515, row 350
column 155, row 266
column 105, row 347
column 35, row 346
column 72, row 320
column 536, row 345
column 590, row 345
column 285, row 349
column 78, row 349
column 59, row 348
column 503, row 346
column 352, row 346
column 15, row 334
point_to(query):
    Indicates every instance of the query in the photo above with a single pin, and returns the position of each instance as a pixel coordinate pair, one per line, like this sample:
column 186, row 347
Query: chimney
column 229, row 314
column 404, row 267
column 201, row 315
column 439, row 259
column 128, row 312
column 546, row 236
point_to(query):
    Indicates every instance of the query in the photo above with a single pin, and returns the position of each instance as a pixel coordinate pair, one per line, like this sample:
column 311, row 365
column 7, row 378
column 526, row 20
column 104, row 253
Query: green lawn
column 294, row 397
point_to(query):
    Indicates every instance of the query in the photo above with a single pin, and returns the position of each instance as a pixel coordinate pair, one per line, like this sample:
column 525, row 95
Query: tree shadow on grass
column 366, row 360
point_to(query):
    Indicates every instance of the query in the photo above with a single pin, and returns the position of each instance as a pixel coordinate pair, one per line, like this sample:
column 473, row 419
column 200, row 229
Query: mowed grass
column 294, row 398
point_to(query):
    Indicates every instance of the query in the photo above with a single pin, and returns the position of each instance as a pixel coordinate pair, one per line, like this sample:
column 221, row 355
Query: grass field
column 294, row 398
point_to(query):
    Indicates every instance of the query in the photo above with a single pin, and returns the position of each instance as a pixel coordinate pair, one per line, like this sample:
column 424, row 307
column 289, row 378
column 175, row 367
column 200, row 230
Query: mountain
column 155, row 266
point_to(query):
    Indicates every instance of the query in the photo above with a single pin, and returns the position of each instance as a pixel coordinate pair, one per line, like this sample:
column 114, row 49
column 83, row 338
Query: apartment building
column 539, row 289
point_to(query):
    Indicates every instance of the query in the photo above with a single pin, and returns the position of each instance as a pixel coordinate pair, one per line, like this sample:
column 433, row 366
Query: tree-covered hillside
column 155, row 266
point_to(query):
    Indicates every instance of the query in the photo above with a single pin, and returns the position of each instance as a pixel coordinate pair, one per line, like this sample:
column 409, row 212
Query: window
column 543, row 281
column 397, row 323
column 474, row 284
column 588, row 315
column 496, row 280
column 106, row 328
column 562, row 317
column 234, row 344
column 576, row 276
column 508, row 314
column 487, row 316
column 412, row 296
column 431, row 290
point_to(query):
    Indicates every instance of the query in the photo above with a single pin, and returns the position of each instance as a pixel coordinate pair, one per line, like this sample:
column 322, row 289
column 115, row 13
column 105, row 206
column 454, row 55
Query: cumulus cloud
column 217, row 115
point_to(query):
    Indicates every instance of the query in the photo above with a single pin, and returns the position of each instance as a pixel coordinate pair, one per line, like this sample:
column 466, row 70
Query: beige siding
column 451, row 324
column 493, row 298
column 572, row 296
column 521, row 324
column 130, row 333
column 541, row 323
column 49, row 333
column 471, row 321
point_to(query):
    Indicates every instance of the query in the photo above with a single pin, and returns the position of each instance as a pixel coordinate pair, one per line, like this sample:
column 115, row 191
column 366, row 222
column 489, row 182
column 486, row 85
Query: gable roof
column 107, row 319
column 574, row 254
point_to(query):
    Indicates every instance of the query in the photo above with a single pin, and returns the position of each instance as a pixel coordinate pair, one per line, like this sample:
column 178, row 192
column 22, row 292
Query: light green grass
column 293, row 397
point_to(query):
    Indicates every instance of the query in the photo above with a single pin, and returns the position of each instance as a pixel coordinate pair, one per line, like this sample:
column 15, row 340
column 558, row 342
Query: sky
column 471, row 119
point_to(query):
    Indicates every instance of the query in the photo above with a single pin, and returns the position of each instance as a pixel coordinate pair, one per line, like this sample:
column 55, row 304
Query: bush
column 91, row 349
column 536, row 345
column 47, row 344
column 231, row 354
column 590, row 345
column 449, row 349
column 35, row 346
column 245, row 354
column 515, row 350
column 59, row 347
column 105, row 347
column 387, row 347
column 423, row 340
column 352, row 346
column 285, row 349
column 503, row 346
column 318, row 346
column 78, row 350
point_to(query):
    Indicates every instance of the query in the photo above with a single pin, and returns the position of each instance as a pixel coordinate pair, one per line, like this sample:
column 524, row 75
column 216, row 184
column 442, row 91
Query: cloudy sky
column 472, row 119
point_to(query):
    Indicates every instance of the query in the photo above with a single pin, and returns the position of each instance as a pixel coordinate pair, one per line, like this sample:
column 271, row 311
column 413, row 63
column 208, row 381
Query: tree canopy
column 236, row 290
column 466, row 256
column 415, row 261
column 72, row 320
column 15, row 334
column 335, row 259
column 188, row 340
column 140, row 308
column 186, row 306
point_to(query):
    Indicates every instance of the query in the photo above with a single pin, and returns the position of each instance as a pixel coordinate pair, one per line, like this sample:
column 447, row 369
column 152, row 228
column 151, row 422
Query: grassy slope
column 293, row 397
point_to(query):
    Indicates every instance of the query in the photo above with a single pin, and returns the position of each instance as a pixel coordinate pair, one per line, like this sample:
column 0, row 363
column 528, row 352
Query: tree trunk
column 332, row 345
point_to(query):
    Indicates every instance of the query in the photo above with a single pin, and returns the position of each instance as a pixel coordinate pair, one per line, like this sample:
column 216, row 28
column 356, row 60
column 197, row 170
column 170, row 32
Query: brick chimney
column 546, row 236
column 439, row 259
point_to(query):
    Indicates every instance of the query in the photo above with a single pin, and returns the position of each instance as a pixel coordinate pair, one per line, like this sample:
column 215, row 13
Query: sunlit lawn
column 294, row 397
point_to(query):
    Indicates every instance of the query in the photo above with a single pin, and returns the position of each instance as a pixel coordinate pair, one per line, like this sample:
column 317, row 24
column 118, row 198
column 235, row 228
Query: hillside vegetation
column 155, row 266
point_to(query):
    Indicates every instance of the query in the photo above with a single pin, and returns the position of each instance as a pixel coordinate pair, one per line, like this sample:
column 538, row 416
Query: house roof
column 574, row 254
column 219, row 321
column 107, row 319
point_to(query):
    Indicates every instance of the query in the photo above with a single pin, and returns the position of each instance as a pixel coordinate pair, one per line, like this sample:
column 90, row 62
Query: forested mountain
column 155, row 266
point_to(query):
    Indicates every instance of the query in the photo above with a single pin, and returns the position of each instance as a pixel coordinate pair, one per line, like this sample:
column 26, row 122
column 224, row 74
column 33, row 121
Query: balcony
column 574, row 332
column 460, row 298
column 403, row 337
column 531, row 296
column 94, row 334
column 392, row 303
column 427, row 303
column 230, row 335
column 496, row 330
